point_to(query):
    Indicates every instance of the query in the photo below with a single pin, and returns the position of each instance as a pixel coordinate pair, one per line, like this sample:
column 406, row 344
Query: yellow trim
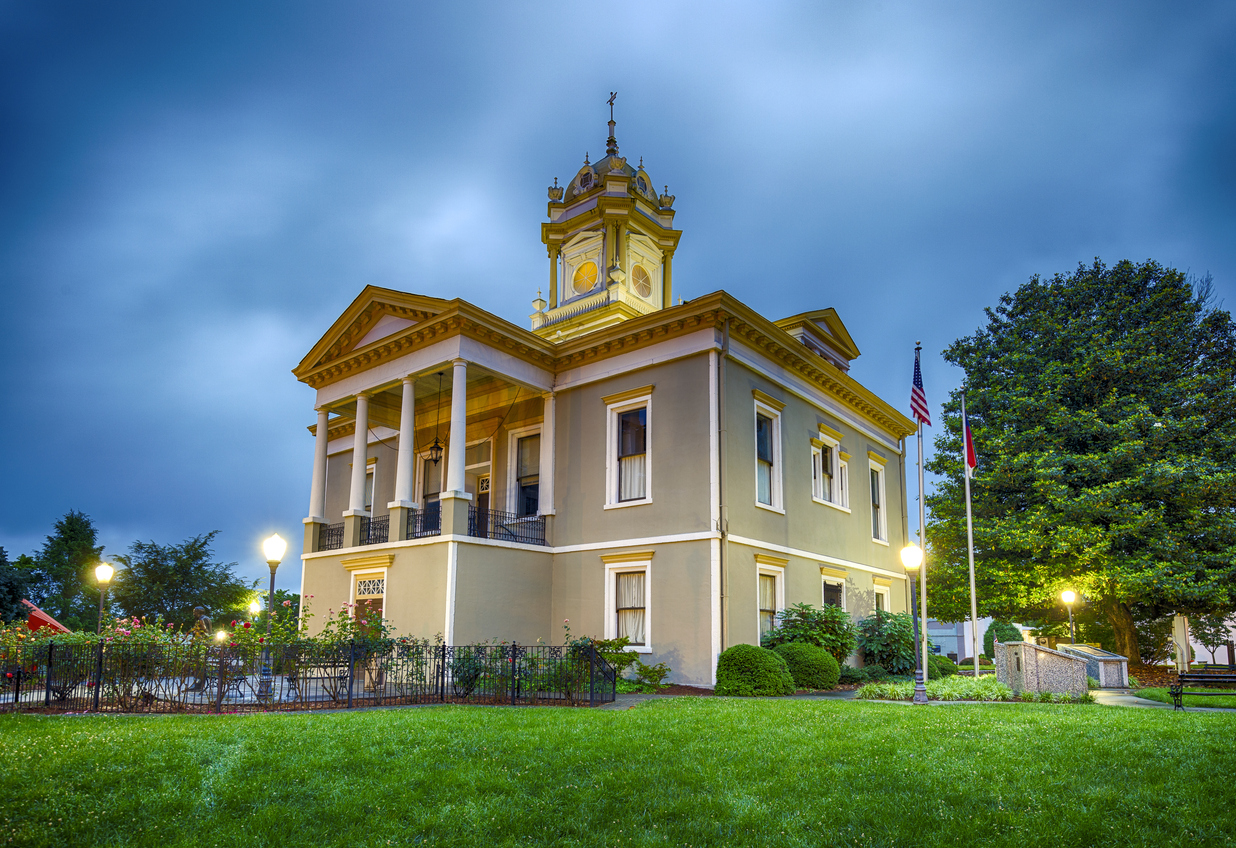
column 632, row 556
column 371, row 561
column 768, row 399
column 835, row 573
column 816, row 443
column 877, row 458
column 845, row 457
column 830, row 432
column 775, row 562
column 882, row 581
column 630, row 394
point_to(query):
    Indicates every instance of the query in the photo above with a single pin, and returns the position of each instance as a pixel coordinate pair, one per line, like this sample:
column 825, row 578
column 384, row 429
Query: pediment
column 824, row 329
column 374, row 315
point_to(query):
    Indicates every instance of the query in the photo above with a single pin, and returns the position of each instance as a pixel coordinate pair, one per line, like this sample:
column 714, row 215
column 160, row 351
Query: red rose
column 233, row 622
column 9, row 674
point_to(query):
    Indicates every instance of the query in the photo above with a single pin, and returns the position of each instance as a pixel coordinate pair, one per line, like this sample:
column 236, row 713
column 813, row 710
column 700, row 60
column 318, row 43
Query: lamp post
column 103, row 573
column 912, row 559
column 273, row 548
column 1069, row 596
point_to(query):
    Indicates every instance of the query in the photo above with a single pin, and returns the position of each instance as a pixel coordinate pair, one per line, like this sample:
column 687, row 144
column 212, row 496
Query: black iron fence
column 493, row 524
column 330, row 537
column 222, row 679
column 375, row 531
column 425, row 522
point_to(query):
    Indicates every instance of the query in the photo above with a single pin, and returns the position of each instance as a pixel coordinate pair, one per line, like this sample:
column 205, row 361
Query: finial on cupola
column 611, row 143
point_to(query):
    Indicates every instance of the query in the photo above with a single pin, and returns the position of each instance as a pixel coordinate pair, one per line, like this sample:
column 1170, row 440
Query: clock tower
column 611, row 241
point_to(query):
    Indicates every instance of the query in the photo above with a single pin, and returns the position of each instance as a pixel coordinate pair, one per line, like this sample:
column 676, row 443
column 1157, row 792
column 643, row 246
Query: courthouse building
column 675, row 474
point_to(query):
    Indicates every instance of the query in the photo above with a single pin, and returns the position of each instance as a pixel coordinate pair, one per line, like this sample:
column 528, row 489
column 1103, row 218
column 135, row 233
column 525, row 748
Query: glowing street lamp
column 1069, row 597
column 273, row 548
column 912, row 559
column 102, row 573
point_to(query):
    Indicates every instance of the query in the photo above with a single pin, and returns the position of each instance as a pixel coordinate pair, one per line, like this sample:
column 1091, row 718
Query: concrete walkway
column 1106, row 697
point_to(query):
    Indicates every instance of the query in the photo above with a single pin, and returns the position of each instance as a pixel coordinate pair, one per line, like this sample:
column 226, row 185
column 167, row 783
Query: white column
column 459, row 428
column 360, row 457
column 317, row 490
column 546, row 488
column 404, row 462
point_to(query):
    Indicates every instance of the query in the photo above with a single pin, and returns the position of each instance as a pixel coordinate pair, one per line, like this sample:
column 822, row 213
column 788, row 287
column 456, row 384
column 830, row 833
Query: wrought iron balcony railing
column 330, row 537
column 375, row 531
column 506, row 526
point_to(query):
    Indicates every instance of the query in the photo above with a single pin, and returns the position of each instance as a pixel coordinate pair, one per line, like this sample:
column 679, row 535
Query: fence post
column 351, row 669
column 592, row 675
column 17, row 684
column 219, row 689
column 514, row 673
column 51, row 652
column 442, row 674
column 98, row 676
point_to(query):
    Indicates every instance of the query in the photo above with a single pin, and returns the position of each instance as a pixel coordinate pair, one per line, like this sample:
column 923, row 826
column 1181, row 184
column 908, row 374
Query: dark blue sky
column 191, row 193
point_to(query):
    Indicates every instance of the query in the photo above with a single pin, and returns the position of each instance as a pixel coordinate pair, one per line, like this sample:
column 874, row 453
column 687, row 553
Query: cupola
column 611, row 242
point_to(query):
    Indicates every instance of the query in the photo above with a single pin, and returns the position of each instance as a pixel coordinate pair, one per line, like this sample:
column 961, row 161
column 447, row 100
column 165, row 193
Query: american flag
column 918, row 398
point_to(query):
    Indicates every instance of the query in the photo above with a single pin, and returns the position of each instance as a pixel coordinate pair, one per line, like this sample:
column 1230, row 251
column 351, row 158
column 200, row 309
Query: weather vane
column 612, row 95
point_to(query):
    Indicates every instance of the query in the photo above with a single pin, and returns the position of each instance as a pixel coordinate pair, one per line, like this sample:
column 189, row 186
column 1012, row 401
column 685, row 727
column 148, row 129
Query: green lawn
column 1161, row 694
column 686, row 771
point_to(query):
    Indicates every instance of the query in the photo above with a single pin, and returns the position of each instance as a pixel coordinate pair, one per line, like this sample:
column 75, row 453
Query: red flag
column 971, row 457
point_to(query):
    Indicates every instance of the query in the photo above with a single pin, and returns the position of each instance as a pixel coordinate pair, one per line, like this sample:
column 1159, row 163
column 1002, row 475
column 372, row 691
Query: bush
column 651, row 675
column 940, row 667
column 875, row 671
column 850, row 674
column 999, row 631
column 888, row 640
column 830, row 628
column 749, row 670
column 954, row 688
column 811, row 666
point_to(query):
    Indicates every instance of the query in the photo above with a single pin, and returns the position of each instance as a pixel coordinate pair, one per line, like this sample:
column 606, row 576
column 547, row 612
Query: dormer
column 823, row 333
column 611, row 241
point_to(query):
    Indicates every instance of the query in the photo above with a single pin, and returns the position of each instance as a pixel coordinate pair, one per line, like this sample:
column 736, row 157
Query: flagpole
column 922, row 538
column 965, row 460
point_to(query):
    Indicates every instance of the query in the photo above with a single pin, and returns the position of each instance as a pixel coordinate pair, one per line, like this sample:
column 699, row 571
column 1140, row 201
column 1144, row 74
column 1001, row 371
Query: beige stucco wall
column 678, row 442
column 680, row 615
column 503, row 593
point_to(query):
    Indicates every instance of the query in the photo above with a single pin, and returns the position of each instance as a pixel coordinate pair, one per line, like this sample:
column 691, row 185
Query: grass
column 1162, row 695
column 684, row 771
column 951, row 688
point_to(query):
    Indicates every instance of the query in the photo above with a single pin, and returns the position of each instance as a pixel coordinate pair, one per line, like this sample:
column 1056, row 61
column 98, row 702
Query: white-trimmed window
column 767, row 456
column 368, row 594
column 429, row 479
column 879, row 503
column 628, row 602
column 628, row 466
column 883, row 596
column 371, row 473
column 832, row 591
column 770, row 595
column 524, row 471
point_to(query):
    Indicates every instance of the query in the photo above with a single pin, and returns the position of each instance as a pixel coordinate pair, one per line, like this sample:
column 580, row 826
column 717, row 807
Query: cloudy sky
column 191, row 193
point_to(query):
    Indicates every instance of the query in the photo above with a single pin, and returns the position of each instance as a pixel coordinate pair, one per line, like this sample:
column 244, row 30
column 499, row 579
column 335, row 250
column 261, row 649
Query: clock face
column 585, row 277
column 641, row 281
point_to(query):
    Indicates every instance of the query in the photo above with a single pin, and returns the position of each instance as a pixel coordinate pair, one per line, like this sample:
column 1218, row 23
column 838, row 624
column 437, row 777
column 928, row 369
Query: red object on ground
column 39, row 620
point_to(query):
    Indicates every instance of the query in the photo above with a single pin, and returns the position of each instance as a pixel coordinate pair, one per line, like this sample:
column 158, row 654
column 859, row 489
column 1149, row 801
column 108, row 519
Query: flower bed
column 959, row 688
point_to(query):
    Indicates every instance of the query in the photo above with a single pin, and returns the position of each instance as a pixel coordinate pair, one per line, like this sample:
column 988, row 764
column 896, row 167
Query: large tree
column 62, row 574
column 170, row 580
column 1103, row 407
column 14, row 586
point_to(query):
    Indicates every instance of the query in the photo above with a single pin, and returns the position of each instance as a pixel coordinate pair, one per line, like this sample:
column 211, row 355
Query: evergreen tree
column 170, row 580
column 62, row 574
column 14, row 586
column 1103, row 408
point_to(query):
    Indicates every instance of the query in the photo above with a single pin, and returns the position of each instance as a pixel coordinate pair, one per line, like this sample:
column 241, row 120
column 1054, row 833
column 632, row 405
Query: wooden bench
column 1177, row 690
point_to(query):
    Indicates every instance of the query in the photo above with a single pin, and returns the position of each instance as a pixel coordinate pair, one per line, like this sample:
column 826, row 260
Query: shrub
column 1091, row 683
column 888, row 640
column 830, row 628
column 940, row 667
column 811, row 666
column 954, row 688
column 999, row 631
column 875, row 671
column 850, row 674
column 1133, row 684
column 749, row 670
column 651, row 675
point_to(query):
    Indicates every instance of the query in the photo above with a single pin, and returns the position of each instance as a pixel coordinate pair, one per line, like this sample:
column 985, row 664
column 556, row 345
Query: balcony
column 506, row 526
column 424, row 522
column 375, row 531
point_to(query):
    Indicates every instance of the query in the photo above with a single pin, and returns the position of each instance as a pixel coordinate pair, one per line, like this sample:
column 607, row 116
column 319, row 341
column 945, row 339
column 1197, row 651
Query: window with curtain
column 632, row 454
column 768, row 603
column 763, row 458
column 826, row 473
column 528, row 474
column 875, row 505
column 629, row 597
